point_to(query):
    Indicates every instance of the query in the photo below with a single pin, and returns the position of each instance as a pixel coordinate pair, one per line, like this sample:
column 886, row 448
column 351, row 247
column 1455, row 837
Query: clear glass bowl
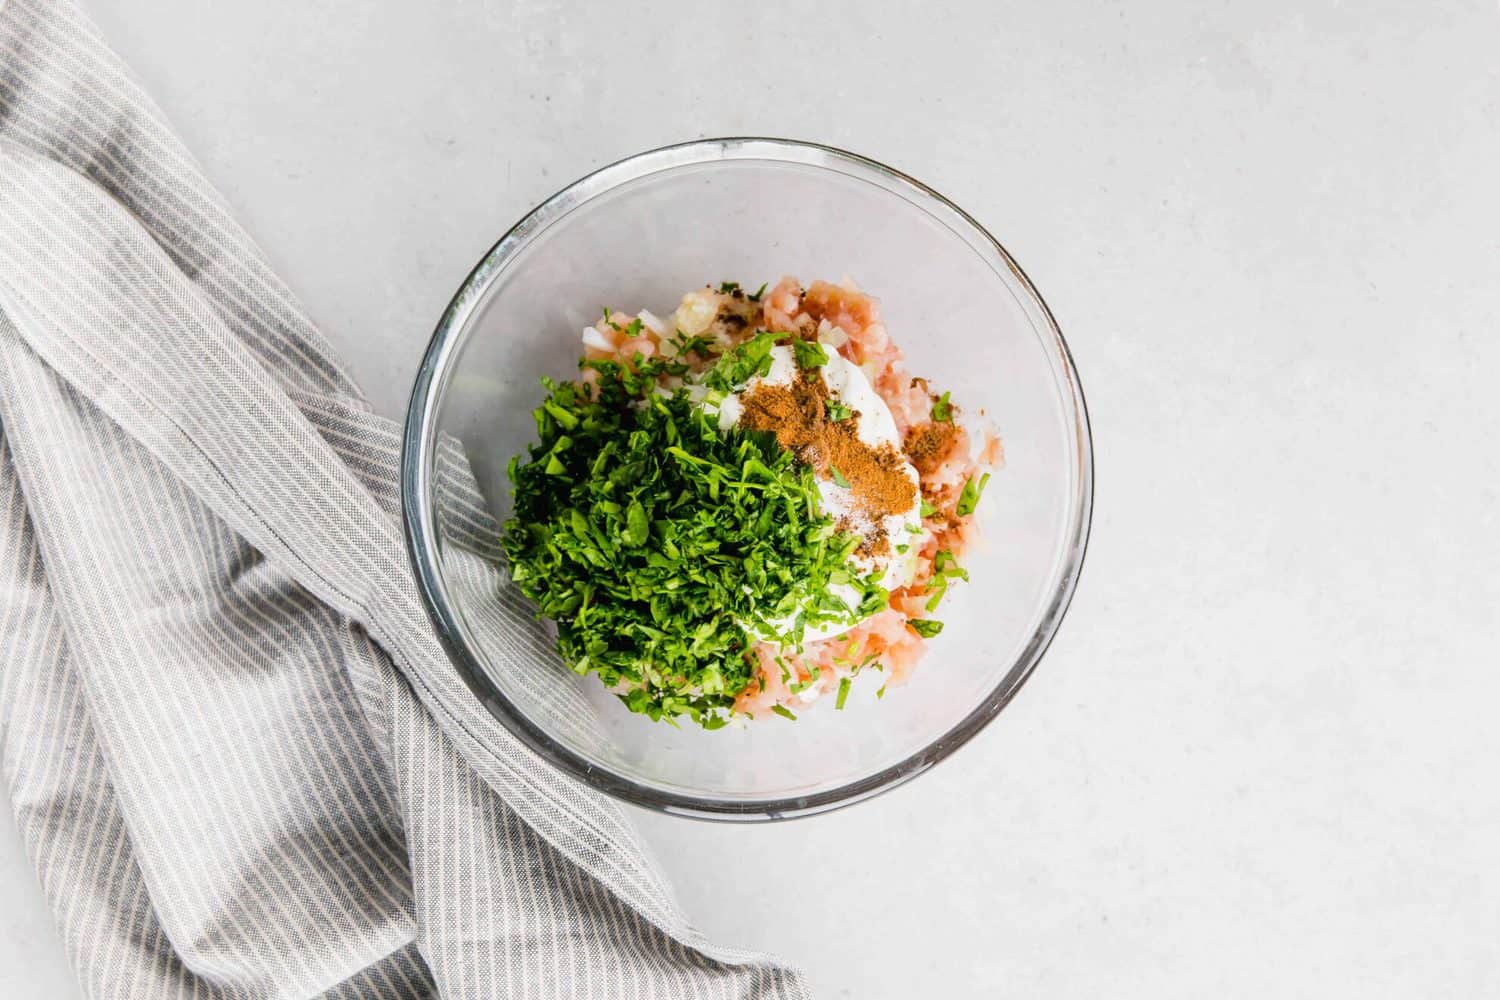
column 638, row 234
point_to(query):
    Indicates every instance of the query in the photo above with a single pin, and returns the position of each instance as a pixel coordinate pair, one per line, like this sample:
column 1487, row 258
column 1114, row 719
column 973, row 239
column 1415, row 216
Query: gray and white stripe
column 238, row 757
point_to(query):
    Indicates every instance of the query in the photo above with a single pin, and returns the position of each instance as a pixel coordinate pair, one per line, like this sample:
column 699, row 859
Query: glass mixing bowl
column 638, row 234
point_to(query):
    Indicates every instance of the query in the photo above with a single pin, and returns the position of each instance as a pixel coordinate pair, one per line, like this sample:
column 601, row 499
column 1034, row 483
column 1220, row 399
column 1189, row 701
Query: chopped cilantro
column 699, row 345
column 928, row 510
column 946, row 564
column 843, row 694
column 637, row 528
column 838, row 411
column 759, row 292
column 726, row 287
column 634, row 328
column 784, row 712
column 942, row 409
column 968, row 499
column 875, row 600
column 747, row 360
column 944, row 568
column 801, row 686
column 809, row 353
column 607, row 321
column 562, row 416
column 937, row 587
column 838, row 477
column 925, row 627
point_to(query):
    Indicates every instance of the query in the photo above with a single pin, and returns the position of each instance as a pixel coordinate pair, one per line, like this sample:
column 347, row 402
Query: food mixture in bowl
column 746, row 506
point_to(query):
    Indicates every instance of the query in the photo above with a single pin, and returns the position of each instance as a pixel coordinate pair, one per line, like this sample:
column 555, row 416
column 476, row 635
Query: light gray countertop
column 1260, row 759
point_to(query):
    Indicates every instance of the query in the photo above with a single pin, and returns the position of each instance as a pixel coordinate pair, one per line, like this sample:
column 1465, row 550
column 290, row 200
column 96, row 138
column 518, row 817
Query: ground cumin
column 798, row 415
column 929, row 445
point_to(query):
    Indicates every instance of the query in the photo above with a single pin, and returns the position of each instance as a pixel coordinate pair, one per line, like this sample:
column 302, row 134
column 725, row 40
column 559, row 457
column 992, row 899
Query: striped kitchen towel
column 237, row 755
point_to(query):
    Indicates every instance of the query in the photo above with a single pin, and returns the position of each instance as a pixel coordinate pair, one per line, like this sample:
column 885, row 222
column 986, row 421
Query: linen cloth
column 237, row 754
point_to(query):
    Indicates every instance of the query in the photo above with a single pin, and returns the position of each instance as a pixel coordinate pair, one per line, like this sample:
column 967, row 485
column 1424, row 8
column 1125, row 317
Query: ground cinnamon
column 798, row 415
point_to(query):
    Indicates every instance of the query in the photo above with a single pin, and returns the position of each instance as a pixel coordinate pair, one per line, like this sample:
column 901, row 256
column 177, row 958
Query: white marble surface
column 1261, row 758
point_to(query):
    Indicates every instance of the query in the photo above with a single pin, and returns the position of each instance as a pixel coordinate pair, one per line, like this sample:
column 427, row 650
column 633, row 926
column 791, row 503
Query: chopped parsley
column 945, row 563
column 937, row 587
column 968, row 498
column 801, row 686
column 944, row 568
column 665, row 548
column 809, row 353
column 925, row 627
column 698, row 344
column 746, row 361
column 942, row 409
column 876, row 598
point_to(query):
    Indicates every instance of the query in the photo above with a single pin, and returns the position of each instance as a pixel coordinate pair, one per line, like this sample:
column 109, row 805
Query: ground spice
column 798, row 415
column 929, row 445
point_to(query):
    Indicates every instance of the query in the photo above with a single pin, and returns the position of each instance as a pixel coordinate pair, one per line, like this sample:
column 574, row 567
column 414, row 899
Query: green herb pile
column 665, row 547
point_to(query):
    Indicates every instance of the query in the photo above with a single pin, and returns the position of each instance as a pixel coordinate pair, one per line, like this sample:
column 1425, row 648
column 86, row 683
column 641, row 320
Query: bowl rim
column 417, row 475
